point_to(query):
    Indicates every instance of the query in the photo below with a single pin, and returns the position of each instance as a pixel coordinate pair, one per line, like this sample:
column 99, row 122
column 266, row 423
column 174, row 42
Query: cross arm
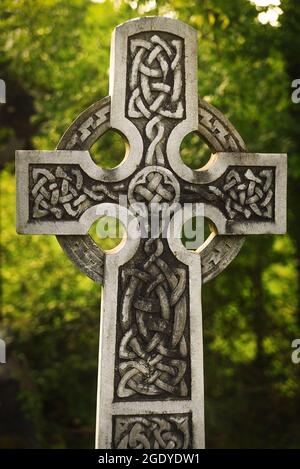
column 58, row 192
column 243, row 193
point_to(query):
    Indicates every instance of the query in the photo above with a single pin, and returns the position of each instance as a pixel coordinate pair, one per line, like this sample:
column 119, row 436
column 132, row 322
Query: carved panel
column 155, row 93
column 242, row 193
column 153, row 343
column 247, row 192
column 156, row 76
column 154, row 185
column 65, row 192
column 152, row 432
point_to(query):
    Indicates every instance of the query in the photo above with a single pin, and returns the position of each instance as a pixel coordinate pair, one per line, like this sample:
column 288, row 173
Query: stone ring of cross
column 216, row 131
column 150, row 377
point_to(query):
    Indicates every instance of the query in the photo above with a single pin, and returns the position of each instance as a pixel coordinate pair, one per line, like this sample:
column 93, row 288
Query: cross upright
column 150, row 385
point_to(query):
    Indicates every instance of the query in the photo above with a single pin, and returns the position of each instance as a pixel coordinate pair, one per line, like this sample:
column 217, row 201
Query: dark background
column 54, row 59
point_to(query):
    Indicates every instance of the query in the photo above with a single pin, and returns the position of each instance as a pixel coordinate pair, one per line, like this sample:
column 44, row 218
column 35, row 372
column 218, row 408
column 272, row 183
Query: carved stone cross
column 150, row 388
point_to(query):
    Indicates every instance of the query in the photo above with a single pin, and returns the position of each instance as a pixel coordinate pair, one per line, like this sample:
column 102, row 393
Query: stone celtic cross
column 150, row 387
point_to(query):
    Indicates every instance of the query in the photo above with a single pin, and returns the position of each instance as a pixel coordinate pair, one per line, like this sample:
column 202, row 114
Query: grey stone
column 150, row 387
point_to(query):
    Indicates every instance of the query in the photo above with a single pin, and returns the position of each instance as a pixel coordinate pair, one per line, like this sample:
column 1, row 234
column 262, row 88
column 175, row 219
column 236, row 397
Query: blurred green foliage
column 55, row 60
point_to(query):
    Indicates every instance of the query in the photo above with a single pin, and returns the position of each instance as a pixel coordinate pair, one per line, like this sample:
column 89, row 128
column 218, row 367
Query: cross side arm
column 243, row 193
column 58, row 192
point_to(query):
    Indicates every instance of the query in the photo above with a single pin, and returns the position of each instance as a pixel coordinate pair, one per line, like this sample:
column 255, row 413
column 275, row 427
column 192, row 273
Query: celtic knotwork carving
column 154, row 185
column 155, row 191
column 156, row 87
column 155, row 78
column 155, row 132
column 248, row 192
column 59, row 191
column 153, row 347
column 155, row 432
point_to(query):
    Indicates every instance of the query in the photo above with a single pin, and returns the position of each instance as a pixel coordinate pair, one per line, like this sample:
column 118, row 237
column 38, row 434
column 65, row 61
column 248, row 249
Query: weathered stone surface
column 150, row 390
